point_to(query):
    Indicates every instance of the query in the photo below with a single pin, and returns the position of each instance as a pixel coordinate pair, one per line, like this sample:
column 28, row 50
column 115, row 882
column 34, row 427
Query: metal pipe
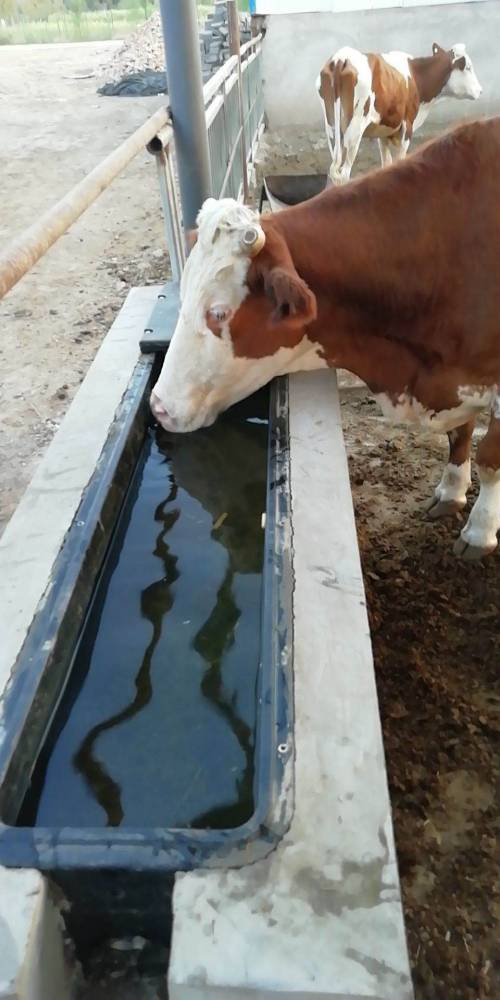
column 234, row 47
column 27, row 249
column 176, row 262
column 185, row 91
column 161, row 140
column 173, row 199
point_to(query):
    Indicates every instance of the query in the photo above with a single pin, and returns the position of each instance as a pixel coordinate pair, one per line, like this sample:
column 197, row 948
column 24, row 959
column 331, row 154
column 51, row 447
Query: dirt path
column 54, row 130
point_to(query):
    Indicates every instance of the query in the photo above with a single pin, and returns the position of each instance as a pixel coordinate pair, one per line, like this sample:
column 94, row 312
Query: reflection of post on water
column 224, row 469
column 213, row 640
column 156, row 602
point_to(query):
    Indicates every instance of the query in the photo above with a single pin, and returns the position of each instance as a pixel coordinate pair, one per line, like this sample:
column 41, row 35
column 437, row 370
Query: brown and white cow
column 386, row 97
column 395, row 277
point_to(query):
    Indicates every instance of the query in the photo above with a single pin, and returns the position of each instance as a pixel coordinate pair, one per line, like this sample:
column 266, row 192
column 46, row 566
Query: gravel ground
column 54, row 320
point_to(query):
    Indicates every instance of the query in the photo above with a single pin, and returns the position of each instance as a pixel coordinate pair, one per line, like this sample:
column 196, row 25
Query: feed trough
column 284, row 190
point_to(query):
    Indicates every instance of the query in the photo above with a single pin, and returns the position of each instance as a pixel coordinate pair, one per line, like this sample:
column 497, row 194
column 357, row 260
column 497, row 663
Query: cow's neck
column 431, row 74
column 351, row 285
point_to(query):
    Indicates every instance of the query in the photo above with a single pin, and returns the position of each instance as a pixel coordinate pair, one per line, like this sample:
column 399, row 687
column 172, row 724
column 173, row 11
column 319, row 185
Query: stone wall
column 214, row 38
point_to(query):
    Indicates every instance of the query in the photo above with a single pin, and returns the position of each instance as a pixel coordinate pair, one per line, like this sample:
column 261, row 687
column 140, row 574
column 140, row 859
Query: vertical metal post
column 234, row 47
column 185, row 91
column 174, row 244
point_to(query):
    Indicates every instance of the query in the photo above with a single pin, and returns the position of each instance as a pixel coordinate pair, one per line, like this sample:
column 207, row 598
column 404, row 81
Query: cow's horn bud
column 253, row 240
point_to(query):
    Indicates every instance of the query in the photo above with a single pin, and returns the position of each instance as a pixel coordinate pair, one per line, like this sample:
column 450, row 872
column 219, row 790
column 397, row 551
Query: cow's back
column 413, row 250
column 395, row 95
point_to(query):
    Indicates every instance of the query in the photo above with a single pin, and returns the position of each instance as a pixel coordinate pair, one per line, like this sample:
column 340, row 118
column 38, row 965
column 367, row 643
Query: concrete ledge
column 32, row 963
column 31, row 943
column 321, row 915
column 34, row 534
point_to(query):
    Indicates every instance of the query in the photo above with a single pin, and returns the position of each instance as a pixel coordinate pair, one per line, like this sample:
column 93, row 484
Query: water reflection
column 176, row 623
column 156, row 602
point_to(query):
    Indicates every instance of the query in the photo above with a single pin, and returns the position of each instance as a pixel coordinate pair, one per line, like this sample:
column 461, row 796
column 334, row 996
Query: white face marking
column 407, row 409
column 454, row 483
column 484, row 519
column 399, row 61
column 201, row 376
column 463, row 83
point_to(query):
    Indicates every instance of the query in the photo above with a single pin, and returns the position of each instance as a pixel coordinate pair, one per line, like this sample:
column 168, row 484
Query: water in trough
column 156, row 726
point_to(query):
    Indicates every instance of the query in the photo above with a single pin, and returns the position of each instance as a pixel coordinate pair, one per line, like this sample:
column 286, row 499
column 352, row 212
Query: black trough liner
column 41, row 672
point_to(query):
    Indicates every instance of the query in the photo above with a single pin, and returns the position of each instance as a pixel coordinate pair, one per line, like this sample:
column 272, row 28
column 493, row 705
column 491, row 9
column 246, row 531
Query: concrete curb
column 31, row 932
column 32, row 964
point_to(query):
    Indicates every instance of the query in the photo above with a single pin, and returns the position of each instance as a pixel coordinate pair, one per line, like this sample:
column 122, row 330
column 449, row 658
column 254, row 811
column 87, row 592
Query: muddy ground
column 435, row 622
column 436, row 640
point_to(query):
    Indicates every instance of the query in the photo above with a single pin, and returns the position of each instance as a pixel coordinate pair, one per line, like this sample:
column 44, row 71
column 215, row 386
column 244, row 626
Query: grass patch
column 86, row 26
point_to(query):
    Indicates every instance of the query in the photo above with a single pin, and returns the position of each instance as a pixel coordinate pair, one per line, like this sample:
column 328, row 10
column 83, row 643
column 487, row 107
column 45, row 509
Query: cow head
column 462, row 81
column 243, row 318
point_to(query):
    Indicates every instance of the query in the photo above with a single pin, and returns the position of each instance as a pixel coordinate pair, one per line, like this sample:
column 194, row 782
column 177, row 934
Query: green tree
column 7, row 9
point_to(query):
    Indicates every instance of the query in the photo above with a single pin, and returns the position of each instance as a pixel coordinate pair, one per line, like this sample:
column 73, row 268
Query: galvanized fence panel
column 224, row 124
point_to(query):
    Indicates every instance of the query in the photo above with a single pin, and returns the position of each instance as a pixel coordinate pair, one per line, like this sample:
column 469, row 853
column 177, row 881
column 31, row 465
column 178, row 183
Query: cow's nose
column 161, row 413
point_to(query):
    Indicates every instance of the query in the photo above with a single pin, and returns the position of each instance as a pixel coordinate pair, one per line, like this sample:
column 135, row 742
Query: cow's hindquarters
column 345, row 93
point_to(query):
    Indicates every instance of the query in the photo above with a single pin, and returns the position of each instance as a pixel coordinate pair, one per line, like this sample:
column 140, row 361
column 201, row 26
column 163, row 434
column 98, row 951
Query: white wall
column 314, row 6
column 297, row 45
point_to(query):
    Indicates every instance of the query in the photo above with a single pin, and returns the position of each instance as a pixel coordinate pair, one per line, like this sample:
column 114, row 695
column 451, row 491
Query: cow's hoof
column 435, row 508
column 471, row 553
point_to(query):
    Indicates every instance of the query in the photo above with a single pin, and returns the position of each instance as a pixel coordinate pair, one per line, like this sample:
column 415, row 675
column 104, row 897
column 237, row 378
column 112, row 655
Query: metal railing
column 233, row 117
column 233, row 113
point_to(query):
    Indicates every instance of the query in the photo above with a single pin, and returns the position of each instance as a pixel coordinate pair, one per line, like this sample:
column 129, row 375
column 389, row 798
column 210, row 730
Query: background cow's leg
column 352, row 138
column 401, row 142
column 401, row 149
column 479, row 537
column 335, row 145
column 450, row 494
column 385, row 152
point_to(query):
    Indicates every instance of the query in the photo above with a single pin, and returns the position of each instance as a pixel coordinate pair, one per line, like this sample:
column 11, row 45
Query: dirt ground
column 435, row 622
column 54, row 130
column 436, row 640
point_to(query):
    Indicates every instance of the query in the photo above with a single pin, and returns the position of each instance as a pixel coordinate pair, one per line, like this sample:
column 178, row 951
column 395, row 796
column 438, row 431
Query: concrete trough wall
column 32, row 954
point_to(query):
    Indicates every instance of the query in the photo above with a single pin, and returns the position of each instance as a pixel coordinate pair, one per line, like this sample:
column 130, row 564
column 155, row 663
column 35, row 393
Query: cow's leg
column 450, row 494
column 479, row 536
column 401, row 142
column 385, row 152
column 401, row 149
column 352, row 138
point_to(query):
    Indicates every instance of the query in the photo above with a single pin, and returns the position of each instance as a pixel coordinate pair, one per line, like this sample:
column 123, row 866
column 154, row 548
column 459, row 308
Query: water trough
column 282, row 876
column 148, row 712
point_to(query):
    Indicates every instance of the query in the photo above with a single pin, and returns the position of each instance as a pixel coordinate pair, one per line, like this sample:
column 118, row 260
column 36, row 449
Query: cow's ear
column 459, row 63
column 292, row 298
column 436, row 49
column 191, row 238
column 294, row 302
